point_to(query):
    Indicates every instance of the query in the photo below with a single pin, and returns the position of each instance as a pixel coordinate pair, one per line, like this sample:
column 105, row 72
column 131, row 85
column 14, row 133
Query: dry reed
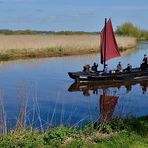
column 52, row 41
column 22, row 46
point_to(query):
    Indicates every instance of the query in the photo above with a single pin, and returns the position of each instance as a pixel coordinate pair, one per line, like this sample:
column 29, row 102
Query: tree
column 128, row 29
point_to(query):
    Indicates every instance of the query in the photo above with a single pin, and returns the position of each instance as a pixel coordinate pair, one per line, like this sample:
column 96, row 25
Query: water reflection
column 102, row 102
column 86, row 87
column 107, row 105
column 109, row 96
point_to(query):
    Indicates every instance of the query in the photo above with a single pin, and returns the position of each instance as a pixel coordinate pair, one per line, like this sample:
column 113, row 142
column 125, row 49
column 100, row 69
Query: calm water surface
column 35, row 92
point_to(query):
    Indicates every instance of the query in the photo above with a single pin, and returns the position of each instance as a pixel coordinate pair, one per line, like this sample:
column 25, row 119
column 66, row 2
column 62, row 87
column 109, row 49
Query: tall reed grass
column 21, row 46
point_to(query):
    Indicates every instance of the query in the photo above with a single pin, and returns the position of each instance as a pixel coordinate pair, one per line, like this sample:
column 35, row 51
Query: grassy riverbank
column 116, row 133
column 35, row 46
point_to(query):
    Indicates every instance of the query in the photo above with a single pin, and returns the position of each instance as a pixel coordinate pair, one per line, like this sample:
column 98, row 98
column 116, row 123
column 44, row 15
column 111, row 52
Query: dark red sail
column 109, row 47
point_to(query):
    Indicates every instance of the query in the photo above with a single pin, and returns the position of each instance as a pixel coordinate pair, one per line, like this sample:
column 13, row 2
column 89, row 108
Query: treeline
column 128, row 29
column 30, row 32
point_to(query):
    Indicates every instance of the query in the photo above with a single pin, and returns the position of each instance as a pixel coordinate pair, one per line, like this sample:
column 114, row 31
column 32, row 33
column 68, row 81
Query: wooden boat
column 109, row 50
column 102, row 77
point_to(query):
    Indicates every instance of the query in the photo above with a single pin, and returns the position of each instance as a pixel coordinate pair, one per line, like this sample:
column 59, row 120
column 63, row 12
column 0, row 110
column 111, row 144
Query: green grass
column 30, row 53
column 128, row 133
column 123, row 139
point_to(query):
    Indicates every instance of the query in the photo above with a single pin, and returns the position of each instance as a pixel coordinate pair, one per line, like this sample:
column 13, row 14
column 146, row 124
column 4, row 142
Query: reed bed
column 22, row 46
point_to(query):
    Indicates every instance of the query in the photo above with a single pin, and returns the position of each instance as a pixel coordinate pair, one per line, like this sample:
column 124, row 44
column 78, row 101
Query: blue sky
column 72, row 15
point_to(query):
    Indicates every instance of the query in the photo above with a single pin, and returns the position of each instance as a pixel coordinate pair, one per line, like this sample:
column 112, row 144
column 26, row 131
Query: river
column 36, row 92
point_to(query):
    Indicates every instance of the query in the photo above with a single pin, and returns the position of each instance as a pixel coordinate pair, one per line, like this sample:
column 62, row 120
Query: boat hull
column 135, row 74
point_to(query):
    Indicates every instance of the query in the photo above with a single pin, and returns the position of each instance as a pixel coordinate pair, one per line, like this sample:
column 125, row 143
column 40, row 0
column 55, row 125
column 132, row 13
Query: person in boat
column 119, row 67
column 106, row 69
column 128, row 68
column 86, row 68
column 94, row 67
column 144, row 64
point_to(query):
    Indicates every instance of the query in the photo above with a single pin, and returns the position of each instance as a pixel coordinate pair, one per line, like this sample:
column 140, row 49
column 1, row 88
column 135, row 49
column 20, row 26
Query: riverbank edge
column 15, row 54
column 118, row 132
column 57, row 51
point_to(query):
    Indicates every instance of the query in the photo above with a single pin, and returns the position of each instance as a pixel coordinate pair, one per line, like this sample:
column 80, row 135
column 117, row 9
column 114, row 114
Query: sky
column 71, row 15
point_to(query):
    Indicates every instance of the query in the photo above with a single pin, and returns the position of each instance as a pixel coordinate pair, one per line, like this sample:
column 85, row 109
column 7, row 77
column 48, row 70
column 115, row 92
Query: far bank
column 37, row 46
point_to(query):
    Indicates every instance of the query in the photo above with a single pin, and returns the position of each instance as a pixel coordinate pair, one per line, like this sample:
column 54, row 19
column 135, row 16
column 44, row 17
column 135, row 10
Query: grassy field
column 26, row 46
column 117, row 133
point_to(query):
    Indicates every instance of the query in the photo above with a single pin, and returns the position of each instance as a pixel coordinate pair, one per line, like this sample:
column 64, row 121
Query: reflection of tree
column 107, row 105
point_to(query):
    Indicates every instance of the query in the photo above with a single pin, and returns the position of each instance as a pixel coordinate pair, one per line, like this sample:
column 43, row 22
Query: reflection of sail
column 107, row 106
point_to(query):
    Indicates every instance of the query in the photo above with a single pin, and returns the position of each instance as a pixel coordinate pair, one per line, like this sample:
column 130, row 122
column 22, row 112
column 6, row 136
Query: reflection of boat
column 109, row 50
column 107, row 101
column 85, row 87
column 107, row 94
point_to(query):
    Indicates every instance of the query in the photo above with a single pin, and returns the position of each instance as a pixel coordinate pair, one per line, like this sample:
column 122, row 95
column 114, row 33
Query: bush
column 128, row 29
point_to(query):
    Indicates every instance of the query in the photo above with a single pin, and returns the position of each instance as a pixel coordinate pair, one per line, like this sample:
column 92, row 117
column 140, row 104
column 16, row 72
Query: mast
column 104, row 60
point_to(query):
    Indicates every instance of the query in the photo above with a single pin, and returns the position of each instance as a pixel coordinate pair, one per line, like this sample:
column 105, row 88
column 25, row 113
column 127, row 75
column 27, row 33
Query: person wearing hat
column 144, row 64
column 145, row 59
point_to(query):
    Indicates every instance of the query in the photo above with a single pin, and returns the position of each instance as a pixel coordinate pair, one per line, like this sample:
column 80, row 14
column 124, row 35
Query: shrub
column 128, row 29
